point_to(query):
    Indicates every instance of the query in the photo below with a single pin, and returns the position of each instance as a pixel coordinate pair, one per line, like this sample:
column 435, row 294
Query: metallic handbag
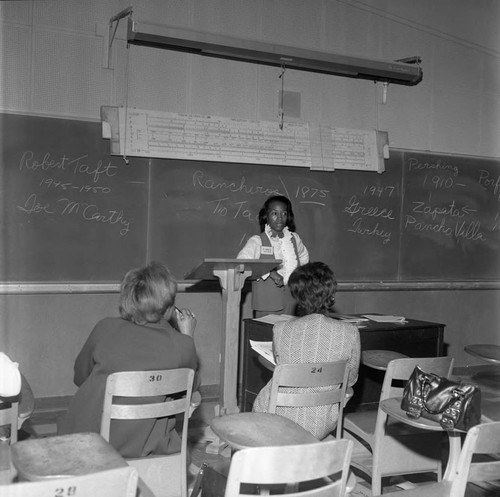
column 454, row 405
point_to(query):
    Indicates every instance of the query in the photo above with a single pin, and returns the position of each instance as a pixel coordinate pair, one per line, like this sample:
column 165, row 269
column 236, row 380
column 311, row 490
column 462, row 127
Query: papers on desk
column 265, row 349
column 274, row 318
column 379, row 318
column 348, row 318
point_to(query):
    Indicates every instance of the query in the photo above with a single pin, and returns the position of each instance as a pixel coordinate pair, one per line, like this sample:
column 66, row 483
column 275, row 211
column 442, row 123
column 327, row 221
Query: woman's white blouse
column 283, row 250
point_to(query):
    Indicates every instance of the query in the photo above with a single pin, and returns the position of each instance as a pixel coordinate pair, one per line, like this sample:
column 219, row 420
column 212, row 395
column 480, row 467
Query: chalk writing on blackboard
column 71, row 198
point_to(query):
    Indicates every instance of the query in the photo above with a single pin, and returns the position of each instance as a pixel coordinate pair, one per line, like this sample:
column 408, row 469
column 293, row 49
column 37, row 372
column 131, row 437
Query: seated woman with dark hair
column 141, row 339
column 313, row 337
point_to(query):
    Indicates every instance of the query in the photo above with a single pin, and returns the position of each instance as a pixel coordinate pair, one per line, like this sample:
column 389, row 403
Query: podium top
column 258, row 267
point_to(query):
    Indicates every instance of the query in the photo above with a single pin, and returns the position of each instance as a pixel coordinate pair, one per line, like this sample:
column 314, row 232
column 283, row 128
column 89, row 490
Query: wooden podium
column 232, row 274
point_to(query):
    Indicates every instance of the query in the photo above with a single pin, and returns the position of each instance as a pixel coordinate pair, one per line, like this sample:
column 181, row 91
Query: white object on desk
column 379, row 318
column 274, row 318
column 348, row 318
column 265, row 349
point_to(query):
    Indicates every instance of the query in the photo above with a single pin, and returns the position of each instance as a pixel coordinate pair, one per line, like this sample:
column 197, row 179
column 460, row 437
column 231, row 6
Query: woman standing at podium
column 277, row 240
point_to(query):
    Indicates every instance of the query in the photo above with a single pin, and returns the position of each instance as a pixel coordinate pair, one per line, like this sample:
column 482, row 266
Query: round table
column 485, row 351
column 379, row 359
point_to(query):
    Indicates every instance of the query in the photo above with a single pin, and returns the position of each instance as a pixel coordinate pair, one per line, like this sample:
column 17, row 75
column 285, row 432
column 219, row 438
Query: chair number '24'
column 316, row 370
column 156, row 378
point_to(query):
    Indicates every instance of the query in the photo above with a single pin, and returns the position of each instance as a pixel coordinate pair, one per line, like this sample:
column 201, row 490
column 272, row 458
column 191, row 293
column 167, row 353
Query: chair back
column 399, row 371
column 119, row 482
column 309, row 385
column 163, row 384
column 9, row 409
column 482, row 440
column 322, row 467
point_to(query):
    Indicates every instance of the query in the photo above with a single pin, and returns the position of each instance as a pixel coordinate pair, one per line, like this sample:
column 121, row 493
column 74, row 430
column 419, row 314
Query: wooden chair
column 309, row 385
column 119, row 482
column 391, row 448
column 165, row 475
column 9, row 413
column 321, row 467
column 482, row 440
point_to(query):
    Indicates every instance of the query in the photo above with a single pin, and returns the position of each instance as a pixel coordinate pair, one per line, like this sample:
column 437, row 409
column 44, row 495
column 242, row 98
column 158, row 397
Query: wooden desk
column 413, row 338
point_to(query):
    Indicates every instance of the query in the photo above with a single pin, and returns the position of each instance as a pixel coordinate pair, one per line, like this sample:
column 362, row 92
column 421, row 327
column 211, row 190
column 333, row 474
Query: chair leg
column 376, row 484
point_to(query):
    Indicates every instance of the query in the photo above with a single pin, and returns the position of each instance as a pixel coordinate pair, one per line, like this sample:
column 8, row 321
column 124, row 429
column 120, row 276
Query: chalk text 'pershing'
column 439, row 165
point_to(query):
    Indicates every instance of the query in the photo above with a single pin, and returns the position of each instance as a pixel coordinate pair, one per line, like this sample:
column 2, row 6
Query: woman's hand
column 277, row 278
column 186, row 321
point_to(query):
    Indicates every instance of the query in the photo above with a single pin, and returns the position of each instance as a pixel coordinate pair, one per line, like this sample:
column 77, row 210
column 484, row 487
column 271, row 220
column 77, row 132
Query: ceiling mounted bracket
column 112, row 32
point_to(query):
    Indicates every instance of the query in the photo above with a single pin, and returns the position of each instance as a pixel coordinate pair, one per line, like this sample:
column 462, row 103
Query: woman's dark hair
column 146, row 293
column 313, row 287
column 290, row 221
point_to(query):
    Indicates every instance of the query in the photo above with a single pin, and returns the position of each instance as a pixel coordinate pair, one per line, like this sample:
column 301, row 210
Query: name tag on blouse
column 267, row 250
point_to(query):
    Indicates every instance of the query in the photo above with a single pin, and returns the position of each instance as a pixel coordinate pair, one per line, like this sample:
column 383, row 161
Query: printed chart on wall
column 145, row 133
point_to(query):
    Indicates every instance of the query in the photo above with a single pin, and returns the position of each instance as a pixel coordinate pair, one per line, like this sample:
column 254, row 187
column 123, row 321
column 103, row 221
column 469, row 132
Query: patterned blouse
column 313, row 338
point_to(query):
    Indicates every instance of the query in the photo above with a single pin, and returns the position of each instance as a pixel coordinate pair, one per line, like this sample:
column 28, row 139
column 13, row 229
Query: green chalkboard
column 69, row 211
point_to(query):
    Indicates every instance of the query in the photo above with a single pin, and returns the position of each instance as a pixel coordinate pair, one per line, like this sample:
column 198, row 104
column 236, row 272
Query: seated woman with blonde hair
column 141, row 339
column 313, row 337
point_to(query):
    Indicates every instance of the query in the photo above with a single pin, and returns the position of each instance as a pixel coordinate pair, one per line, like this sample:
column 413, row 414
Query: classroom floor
column 43, row 424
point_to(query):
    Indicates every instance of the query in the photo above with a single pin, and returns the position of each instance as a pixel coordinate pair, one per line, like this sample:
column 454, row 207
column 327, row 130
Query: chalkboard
column 450, row 222
column 349, row 219
column 71, row 212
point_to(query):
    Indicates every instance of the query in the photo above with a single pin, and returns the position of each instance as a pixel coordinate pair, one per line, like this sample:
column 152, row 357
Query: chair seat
column 362, row 424
column 65, row 455
column 257, row 429
column 379, row 359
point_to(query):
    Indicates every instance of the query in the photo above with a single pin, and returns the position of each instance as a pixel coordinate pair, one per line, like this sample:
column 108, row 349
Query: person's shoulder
column 109, row 322
column 255, row 238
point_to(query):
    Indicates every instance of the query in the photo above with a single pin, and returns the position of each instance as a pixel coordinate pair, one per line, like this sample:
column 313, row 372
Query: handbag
column 454, row 405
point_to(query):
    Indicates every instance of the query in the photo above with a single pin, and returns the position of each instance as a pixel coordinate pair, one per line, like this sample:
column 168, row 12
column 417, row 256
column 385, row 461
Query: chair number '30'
column 156, row 378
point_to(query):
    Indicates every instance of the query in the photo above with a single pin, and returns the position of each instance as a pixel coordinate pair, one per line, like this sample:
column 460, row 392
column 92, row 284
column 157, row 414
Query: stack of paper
column 265, row 349
column 379, row 318
column 274, row 318
column 348, row 318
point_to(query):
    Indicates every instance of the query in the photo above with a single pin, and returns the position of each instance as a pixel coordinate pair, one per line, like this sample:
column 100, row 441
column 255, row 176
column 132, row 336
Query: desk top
column 410, row 324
